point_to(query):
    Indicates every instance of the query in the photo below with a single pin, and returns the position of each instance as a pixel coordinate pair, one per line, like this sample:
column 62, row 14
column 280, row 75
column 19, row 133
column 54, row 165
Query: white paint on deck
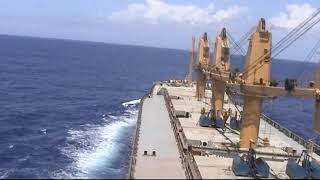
column 157, row 134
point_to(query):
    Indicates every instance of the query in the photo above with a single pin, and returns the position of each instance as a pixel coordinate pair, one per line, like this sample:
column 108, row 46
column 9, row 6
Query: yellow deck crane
column 221, row 59
column 253, row 85
column 203, row 57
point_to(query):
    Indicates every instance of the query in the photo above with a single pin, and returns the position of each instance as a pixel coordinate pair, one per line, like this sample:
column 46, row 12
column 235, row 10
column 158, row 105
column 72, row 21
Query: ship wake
column 100, row 150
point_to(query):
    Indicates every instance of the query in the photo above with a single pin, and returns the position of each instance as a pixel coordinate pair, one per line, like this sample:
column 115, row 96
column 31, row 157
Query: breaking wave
column 131, row 103
column 96, row 149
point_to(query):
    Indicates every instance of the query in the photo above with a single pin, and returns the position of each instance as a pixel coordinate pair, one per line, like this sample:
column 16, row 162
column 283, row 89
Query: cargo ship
column 196, row 129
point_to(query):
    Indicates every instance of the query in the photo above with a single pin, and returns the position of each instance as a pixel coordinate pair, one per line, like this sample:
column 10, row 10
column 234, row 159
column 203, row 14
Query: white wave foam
column 5, row 174
column 131, row 103
column 99, row 145
column 111, row 117
column 44, row 131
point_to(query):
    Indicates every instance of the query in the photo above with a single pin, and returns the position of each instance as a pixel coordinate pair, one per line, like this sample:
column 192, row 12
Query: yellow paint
column 257, row 71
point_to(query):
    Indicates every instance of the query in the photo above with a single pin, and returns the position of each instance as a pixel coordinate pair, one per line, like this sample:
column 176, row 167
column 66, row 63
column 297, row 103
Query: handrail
column 289, row 133
column 188, row 160
column 237, row 150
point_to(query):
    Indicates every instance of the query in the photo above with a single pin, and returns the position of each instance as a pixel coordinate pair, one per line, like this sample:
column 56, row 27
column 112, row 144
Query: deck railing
column 290, row 134
column 192, row 171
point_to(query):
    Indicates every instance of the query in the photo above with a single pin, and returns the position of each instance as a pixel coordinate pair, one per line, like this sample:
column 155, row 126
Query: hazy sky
column 159, row 23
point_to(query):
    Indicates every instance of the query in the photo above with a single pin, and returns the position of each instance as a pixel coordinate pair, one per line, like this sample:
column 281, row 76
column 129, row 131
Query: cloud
column 155, row 11
column 294, row 15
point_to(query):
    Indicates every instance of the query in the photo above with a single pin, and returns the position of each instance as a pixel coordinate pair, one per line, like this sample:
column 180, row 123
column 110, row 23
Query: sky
column 157, row 23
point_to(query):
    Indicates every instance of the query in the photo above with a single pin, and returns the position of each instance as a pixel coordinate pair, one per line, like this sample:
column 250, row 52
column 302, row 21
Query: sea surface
column 68, row 108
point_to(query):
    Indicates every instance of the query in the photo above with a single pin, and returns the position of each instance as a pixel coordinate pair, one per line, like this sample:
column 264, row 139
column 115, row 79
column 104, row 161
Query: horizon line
column 121, row 44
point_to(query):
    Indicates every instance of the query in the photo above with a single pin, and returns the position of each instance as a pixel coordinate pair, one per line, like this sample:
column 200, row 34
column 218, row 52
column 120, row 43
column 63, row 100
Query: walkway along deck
column 154, row 132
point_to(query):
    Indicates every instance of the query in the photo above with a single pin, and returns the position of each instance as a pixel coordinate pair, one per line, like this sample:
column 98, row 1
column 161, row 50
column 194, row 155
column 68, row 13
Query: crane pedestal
column 201, row 85
column 250, row 121
column 218, row 90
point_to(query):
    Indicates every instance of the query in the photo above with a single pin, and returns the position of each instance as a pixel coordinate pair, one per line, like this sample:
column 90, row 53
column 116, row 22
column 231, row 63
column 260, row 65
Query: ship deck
column 217, row 164
column 157, row 134
column 215, row 159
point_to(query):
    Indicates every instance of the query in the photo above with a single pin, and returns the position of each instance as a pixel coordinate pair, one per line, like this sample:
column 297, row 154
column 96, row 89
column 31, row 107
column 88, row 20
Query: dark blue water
column 68, row 108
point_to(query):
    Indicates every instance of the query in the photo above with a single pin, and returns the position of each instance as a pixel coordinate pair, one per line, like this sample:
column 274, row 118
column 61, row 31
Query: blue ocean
column 68, row 109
